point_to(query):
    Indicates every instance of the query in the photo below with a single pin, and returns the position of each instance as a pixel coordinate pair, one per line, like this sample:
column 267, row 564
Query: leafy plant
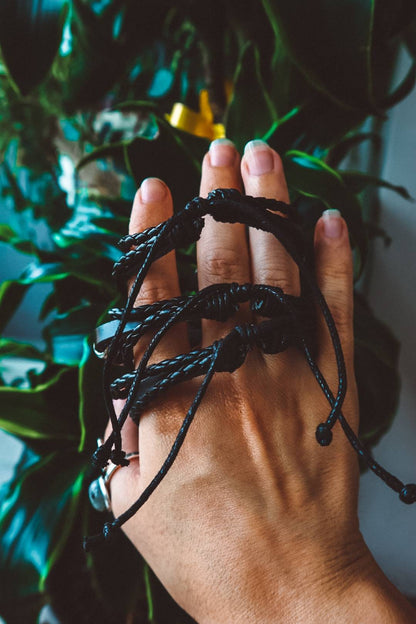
column 95, row 96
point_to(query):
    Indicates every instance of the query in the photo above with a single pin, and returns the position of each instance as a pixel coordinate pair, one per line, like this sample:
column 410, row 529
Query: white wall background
column 388, row 525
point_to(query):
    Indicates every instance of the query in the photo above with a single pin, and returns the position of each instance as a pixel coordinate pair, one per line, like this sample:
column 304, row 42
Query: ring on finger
column 99, row 489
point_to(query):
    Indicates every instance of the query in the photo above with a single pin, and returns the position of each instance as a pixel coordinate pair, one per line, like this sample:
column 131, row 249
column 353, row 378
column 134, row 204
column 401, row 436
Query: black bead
column 408, row 494
column 323, row 434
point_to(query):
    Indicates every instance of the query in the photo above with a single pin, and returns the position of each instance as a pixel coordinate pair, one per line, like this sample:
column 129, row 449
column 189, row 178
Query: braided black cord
column 102, row 454
column 110, row 527
column 289, row 324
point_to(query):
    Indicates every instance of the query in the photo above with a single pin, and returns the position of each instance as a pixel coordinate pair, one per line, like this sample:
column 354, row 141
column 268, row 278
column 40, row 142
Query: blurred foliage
column 87, row 88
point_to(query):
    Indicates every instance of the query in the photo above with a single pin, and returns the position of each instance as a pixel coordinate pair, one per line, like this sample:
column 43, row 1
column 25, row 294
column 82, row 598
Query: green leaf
column 10, row 237
column 30, row 35
column 46, row 416
column 92, row 411
column 402, row 90
column 250, row 112
column 85, row 270
column 19, row 363
column 65, row 334
column 358, row 182
column 138, row 105
column 315, row 125
column 376, row 367
column 410, row 38
column 173, row 156
column 11, row 296
column 48, row 272
column 11, row 348
column 331, row 44
column 20, row 201
column 314, row 178
column 36, row 517
column 339, row 151
column 7, row 234
column 112, row 150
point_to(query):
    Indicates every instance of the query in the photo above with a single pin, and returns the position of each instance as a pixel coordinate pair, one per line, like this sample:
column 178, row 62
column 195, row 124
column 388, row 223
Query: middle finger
column 222, row 250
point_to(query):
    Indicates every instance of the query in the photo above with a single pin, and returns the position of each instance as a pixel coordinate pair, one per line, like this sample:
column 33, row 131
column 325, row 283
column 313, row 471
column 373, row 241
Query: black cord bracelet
column 288, row 321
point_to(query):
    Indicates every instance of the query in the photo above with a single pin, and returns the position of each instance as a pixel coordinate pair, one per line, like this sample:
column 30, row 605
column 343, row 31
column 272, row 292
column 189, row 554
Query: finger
column 263, row 176
column 334, row 273
column 222, row 251
column 153, row 205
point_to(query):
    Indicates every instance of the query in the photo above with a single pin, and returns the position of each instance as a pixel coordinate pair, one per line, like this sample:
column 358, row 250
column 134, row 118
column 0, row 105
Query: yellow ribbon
column 198, row 123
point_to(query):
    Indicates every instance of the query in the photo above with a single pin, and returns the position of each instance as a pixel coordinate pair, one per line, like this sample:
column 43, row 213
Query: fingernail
column 259, row 157
column 222, row 153
column 152, row 190
column 332, row 223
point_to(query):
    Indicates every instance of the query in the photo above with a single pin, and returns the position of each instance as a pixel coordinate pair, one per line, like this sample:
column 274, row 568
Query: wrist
column 360, row 593
column 347, row 587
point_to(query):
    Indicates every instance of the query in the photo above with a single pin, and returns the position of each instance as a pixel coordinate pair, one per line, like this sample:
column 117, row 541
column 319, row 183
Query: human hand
column 254, row 522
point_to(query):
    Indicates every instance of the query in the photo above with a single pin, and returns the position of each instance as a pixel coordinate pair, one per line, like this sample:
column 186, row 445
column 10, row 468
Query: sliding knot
column 197, row 206
column 119, row 457
column 185, row 231
column 223, row 194
column 268, row 302
column 408, row 494
column 323, row 434
column 100, row 457
column 230, row 351
column 241, row 292
column 220, row 306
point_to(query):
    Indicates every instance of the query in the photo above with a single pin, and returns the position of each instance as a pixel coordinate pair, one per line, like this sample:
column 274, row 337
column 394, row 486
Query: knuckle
column 149, row 293
column 338, row 274
column 222, row 264
column 342, row 311
column 279, row 277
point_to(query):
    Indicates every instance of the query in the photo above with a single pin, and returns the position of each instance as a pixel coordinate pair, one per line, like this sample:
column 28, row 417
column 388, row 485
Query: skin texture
column 255, row 522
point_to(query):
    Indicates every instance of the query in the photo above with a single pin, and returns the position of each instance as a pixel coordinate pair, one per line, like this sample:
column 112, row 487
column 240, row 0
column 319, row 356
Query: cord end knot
column 408, row 494
column 323, row 434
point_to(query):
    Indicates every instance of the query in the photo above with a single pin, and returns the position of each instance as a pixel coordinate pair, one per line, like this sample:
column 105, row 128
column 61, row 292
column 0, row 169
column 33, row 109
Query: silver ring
column 111, row 468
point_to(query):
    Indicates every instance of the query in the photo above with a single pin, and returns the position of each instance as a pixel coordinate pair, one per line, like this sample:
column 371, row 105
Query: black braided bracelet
column 288, row 321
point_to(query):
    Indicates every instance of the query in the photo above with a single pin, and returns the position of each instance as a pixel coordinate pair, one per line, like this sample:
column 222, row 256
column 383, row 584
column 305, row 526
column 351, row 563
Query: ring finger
column 263, row 176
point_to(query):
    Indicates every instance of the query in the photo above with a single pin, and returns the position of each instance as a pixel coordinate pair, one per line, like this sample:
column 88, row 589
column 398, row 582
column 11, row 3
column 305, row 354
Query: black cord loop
column 288, row 321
